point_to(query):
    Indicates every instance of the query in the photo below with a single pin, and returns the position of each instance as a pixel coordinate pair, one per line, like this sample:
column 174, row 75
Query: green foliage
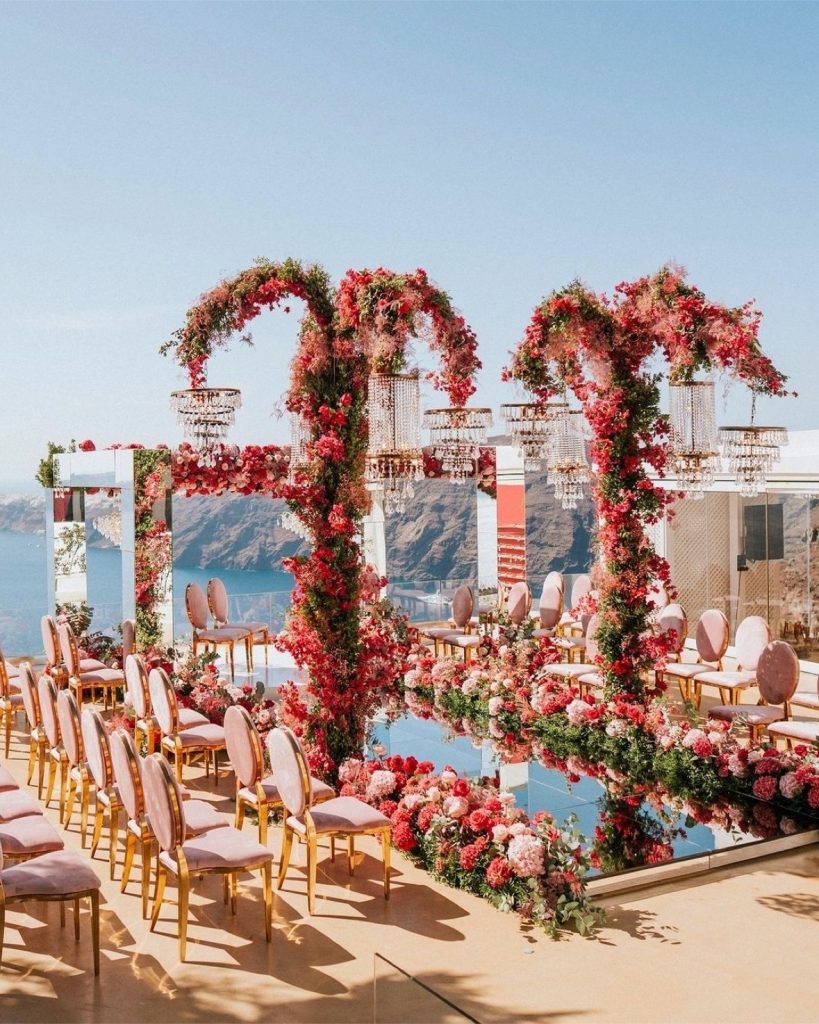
column 45, row 467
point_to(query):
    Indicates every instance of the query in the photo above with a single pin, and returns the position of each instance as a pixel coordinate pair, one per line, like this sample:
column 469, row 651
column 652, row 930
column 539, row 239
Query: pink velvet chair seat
column 201, row 817
column 187, row 718
column 220, row 849
column 103, row 677
column 806, row 732
column 568, row 671
column 29, row 836
column 810, row 699
column 321, row 791
column 342, row 814
column 54, row 874
column 15, row 698
column 440, row 632
column 567, row 643
column 542, row 632
column 592, row 679
column 12, row 671
column 685, row 670
column 223, row 635
column 7, row 780
column 106, row 795
column 459, row 640
column 753, row 714
column 208, row 735
column 17, row 804
column 91, row 665
column 728, row 680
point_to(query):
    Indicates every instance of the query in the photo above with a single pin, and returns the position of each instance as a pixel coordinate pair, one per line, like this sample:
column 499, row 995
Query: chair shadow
column 795, row 904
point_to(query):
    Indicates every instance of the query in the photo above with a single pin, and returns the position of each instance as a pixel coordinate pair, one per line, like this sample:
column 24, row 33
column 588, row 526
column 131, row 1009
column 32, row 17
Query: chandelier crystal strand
column 110, row 527
column 693, row 451
column 206, row 415
column 455, row 436
column 567, row 468
column 394, row 457
column 751, row 453
column 530, row 425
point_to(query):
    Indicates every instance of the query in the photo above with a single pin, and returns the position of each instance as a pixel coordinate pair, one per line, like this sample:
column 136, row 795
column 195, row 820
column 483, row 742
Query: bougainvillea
column 600, row 349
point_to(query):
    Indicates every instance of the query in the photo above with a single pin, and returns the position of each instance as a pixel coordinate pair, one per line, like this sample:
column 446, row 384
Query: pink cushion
column 594, row 679
column 31, row 700
column 551, row 606
column 439, row 632
column 567, row 671
column 799, row 730
column 220, row 848
column 321, row 791
column 210, row 736
column 517, row 603
column 51, row 641
column 712, row 635
column 163, row 802
column 580, row 588
column 187, row 717
column 17, row 804
column 200, row 816
column 685, row 670
column 7, row 780
column 223, row 635
column 91, row 665
column 730, row 680
column 69, row 715
column 163, row 700
column 243, row 745
column 753, row 636
column 128, row 638
column 125, row 763
column 103, row 677
column 12, row 671
column 217, row 600
column 285, row 761
column 97, row 753
column 47, row 697
column 554, row 579
column 778, row 672
column 754, row 714
column 196, row 605
column 459, row 640
column 540, row 633
column 592, row 649
column 342, row 814
column 68, row 648
column 673, row 617
column 805, row 700
column 53, row 874
column 136, row 681
column 28, row 836
column 462, row 604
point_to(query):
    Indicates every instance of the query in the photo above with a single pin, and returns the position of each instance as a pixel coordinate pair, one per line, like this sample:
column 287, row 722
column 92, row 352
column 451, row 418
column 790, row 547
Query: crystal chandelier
column 530, row 425
column 110, row 526
column 693, row 452
column 394, row 457
column 206, row 415
column 290, row 521
column 566, row 466
column 455, row 436
column 300, row 437
column 752, row 452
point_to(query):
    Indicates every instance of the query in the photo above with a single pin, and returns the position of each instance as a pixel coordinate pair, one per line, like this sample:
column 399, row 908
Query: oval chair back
column 554, row 579
column 68, row 714
column 68, row 648
column 673, row 617
column 125, row 764
column 128, row 639
column 463, row 602
column 518, row 602
column 550, row 606
column 136, row 682
column 580, row 588
column 777, row 672
column 163, row 701
column 51, row 640
column 218, row 600
column 5, row 688
column 592, row 650
column 163, row 802
column 31, row 697
column 47, row 696
column 244, row 746
column 196, row 606
column 658, row 596
column 753, row 636
column 290, row 770
column 712, row 636
column 97, row 752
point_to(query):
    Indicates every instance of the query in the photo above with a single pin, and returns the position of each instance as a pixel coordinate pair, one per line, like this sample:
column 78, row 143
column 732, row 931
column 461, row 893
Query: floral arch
column 364, row 326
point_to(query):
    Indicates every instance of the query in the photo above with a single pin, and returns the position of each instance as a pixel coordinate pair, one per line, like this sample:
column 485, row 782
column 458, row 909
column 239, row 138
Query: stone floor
column 739, row 945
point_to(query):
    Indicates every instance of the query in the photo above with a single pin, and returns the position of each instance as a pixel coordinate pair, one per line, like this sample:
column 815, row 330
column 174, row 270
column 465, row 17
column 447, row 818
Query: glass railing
column 399, row 997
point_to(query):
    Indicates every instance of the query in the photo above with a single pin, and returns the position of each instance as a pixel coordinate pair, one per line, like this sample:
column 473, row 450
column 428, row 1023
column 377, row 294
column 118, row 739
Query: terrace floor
column 737, row 945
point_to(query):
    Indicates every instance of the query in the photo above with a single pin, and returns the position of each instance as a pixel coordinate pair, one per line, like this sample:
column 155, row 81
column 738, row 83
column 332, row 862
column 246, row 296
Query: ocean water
column 24, row 598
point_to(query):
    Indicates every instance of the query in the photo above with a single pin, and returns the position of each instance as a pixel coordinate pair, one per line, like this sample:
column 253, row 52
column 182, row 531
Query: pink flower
column 790, row 786
column 526, row 856
column 765, row 787
column 456, row 806
column 499, row 872
column 381, row 784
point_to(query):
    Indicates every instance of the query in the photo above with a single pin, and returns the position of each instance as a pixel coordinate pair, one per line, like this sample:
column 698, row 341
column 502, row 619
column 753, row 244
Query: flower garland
column 599, row 348
column 365, row 326
column 471, row 835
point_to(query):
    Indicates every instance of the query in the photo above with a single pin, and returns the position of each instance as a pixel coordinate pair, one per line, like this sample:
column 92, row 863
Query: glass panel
column 69, row 551
column 556, row 538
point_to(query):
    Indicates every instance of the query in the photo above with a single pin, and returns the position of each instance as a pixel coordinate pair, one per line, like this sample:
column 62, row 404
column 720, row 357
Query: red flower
column 499, row 872
column 425, row 816
column 469, row 856
column 460, row 787
column 479, row 820
column 765, row 787
column 403, row 836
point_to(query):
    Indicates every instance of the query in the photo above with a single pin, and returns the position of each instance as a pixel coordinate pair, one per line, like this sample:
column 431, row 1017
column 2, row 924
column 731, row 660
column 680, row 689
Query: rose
column 479, row 820
column 455, row 806
column 461, row 788
column 499, row 872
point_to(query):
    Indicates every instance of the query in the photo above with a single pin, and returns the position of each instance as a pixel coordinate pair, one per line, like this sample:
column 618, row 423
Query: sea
column 24, row 598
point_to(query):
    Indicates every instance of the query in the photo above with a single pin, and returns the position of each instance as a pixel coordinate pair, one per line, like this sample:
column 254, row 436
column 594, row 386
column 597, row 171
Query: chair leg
column 52, row 776
column 85, row 800
column 69, row 802
column 95, row 838
column 7, row 716
column 386, row 850
column 350, row 854
column 184, row 886
column 287, row 844
column 113, row 838
column 95, row 929
column 2, row 928
column 130, row 847
column 41, row 756
column 239, row 820
column 77, row 919
column 160, row 891
column 145, row 854
column 63, row 773
column 267, row 890
column 32, row 760
column 263, row 815
column 312, row 857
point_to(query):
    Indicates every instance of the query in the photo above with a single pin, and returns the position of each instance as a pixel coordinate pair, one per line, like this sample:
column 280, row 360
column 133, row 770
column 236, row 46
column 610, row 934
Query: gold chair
column 37, row 737
column 54, row 751
column 109, row 680
column 98, row 756
column 11, row 699
column 342, row 817
column 207, row 739
column 223, row 851
column 218, row 604
column 196, row 608
column 79, row 780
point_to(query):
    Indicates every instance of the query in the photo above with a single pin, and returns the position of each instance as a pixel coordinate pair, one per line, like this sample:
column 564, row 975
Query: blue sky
column 150, row 149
